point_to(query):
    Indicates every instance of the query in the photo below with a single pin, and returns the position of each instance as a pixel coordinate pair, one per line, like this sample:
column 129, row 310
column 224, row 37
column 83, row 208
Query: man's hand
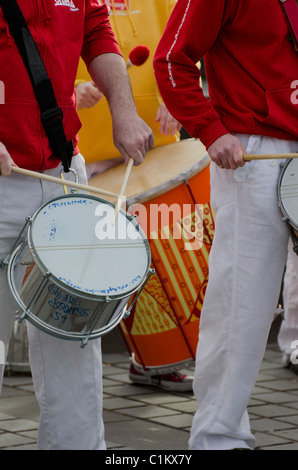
column 168, row 123
column 132, row 137
column 6, row 161
column 227, row 152
column 88, row 95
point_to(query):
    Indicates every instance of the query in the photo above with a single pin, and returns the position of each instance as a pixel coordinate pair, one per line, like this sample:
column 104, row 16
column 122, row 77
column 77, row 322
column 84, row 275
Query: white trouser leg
column 68, row 387
column 67, row 379
column 289, row 326
column 245, row 271
column 19, row 197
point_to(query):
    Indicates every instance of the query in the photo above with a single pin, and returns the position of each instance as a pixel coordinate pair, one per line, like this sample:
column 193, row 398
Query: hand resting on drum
column 227, row 152
column 6, row 161
column 168, row 124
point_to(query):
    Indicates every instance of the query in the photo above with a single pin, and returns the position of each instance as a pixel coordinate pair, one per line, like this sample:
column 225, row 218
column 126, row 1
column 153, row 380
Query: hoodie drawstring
column 134, row 29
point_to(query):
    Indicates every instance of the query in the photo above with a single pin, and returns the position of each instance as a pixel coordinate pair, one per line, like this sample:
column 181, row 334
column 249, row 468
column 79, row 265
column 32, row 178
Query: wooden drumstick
column 123, row 187
column 63, row 182
column 272, row 156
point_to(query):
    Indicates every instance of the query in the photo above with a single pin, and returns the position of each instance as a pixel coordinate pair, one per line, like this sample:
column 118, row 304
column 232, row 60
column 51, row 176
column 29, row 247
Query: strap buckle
column 51, row 115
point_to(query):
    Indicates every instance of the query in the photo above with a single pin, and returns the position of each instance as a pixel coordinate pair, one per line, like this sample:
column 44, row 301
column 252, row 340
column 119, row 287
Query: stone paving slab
column 139, row 417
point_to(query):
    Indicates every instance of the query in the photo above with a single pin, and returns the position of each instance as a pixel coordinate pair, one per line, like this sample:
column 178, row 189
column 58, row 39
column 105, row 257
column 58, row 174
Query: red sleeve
column 99, row 37
column 190, row 33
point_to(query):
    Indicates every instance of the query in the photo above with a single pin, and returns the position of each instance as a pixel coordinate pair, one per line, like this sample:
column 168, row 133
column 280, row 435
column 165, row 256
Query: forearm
column 131, row 135
column 109, row 73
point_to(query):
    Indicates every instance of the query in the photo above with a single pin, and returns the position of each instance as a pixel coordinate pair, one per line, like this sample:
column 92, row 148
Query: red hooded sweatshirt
column 251, row 67
column 62, row 29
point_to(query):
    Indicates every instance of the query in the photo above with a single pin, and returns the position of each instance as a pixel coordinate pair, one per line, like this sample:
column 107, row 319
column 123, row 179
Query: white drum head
column 288, row 192
column 163, row 169
column 73, row 238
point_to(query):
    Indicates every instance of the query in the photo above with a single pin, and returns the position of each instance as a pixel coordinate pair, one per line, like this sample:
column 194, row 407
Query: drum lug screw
column 108, row 299
column 126, row 314
column 22, row 317
column 84, row 342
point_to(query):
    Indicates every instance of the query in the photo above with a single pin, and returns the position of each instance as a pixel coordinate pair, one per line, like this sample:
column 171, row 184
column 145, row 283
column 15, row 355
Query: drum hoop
column 164, row 187
column 285, row 214
column 66, row 287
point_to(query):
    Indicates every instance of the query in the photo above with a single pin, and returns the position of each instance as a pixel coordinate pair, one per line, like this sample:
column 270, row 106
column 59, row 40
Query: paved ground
column 144, row 418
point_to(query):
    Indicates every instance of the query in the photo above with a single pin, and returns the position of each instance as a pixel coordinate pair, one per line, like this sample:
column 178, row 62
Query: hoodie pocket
column 282, row 112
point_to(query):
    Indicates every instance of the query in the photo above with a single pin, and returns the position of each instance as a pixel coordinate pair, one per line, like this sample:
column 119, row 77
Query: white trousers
column 67, row 379
column 245, row 272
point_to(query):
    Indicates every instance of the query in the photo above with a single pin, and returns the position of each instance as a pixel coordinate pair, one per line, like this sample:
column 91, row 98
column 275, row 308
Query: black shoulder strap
column 51, row 113
column 290, row 10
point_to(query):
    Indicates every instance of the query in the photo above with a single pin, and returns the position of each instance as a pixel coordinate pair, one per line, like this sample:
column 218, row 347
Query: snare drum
column 287, row 194
column 162, row 329
column 81, row 269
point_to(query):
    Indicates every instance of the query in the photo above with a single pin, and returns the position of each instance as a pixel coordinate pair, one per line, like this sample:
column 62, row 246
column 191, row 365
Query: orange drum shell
column 162, row 328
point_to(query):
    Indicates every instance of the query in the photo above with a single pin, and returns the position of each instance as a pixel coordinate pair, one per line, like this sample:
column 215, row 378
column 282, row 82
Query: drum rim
column 286, row 216
column 192, row 171
column 83, row 294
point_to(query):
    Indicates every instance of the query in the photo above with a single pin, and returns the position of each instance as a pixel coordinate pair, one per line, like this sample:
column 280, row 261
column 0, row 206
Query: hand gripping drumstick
column 272, row 156
column 122, row 190
column 63, row 182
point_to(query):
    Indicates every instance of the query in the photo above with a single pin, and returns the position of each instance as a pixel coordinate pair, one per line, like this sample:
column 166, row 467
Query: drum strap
column 51, row 113
column 290, row 9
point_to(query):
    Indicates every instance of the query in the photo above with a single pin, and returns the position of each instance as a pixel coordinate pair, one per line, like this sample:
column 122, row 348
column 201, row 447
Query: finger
column 136, row 155
column 229, row 162
column 138, row 158
column 162, row 123
column 165, row 120
column 166, row 123
column 150, row 141
column 95, row 93
column 88, row 104
column 6, row 161
column 5, row 168
column 157, row 119
column 176, row 127
column 238, row 157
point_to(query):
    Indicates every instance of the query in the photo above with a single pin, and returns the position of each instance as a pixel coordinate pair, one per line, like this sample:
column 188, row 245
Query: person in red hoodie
column 252, row 69
column 67, row 379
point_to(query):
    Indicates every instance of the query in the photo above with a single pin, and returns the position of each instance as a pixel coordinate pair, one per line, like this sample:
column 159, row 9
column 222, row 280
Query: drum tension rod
column 5, row 262
column 151, row 272
column 294, row 240
column 35, row 296
column 92, row 322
